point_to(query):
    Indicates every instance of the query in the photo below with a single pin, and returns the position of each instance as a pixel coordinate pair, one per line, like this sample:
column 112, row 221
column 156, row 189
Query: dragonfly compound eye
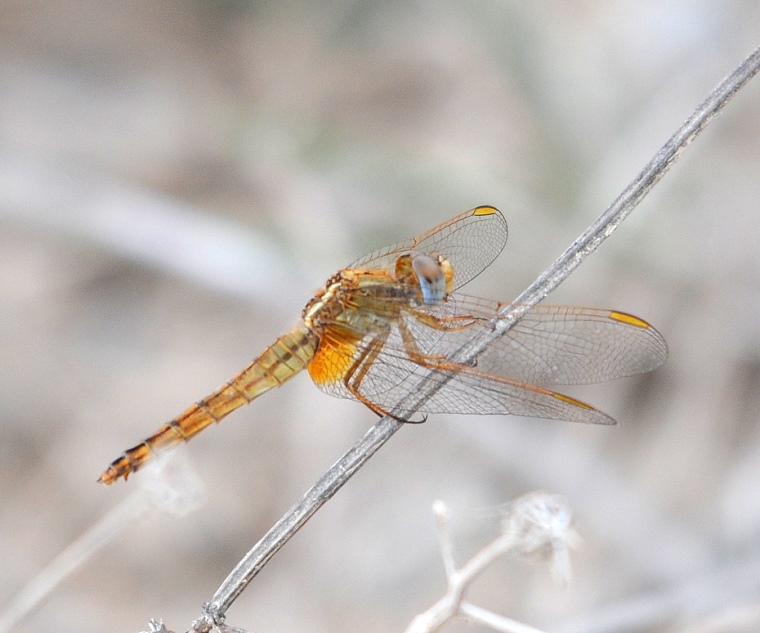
column 431, row 278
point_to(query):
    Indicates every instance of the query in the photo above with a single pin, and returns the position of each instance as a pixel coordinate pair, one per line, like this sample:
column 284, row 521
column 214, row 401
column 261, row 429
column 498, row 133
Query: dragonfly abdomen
column 279, row 362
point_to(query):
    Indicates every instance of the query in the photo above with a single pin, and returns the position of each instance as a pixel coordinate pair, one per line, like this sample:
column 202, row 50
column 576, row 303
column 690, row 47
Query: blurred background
column 178, row 178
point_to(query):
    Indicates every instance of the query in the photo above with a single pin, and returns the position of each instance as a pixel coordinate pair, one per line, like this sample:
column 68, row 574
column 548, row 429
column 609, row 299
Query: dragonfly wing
column 557, row 345
column 550, row 345
column 393, row 377
column 384, row 379
column 470, row 241
column 346, row 355
column 569, row 345
column 474, row 392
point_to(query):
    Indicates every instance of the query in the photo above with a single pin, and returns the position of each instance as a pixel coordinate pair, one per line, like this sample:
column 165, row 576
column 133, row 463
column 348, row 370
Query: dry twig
column 537, row 523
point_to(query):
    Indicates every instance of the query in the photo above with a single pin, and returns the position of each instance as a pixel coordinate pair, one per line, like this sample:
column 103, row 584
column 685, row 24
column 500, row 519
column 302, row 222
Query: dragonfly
column 380, row 326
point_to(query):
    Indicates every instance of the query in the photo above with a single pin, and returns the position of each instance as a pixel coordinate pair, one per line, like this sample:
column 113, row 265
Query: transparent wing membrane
column 551, row 345
column 470, row 241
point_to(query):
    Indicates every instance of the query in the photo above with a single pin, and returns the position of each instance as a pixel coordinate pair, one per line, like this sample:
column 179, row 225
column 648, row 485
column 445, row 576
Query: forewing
column 550, row 345
column 470, row 241
column 559, row 345
column 394, row 377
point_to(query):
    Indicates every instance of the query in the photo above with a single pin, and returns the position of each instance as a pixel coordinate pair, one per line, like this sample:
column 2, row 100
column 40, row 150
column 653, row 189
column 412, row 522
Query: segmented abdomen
column 282, row 360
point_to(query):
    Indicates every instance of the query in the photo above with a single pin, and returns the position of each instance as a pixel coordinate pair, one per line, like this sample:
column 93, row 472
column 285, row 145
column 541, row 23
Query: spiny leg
column 412, row 350
column 445, row 323
column 436, row 362
column 440, row 324
column 358, row 371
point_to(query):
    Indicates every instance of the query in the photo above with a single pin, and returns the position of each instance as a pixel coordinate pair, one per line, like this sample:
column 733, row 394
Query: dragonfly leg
column 448, row 323
column 358, row 371
column 414, row 353
column 437, row 323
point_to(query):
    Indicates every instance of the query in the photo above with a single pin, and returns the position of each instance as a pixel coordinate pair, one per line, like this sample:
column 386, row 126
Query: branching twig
column 537, row 522
column 345, row 467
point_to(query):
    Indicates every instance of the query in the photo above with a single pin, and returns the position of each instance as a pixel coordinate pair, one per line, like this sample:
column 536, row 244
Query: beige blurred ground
column 176, row 179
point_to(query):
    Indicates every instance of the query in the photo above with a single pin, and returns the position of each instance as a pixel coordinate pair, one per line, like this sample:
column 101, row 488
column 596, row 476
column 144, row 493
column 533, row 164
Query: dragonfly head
column 434, row 275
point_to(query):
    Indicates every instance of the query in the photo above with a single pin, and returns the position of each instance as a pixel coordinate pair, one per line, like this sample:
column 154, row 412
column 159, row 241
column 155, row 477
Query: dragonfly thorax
column 369, row 298
column 326, row 303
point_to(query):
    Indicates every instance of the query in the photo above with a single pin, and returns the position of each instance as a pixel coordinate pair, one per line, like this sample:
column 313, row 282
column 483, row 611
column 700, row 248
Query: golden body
column 381, row 325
